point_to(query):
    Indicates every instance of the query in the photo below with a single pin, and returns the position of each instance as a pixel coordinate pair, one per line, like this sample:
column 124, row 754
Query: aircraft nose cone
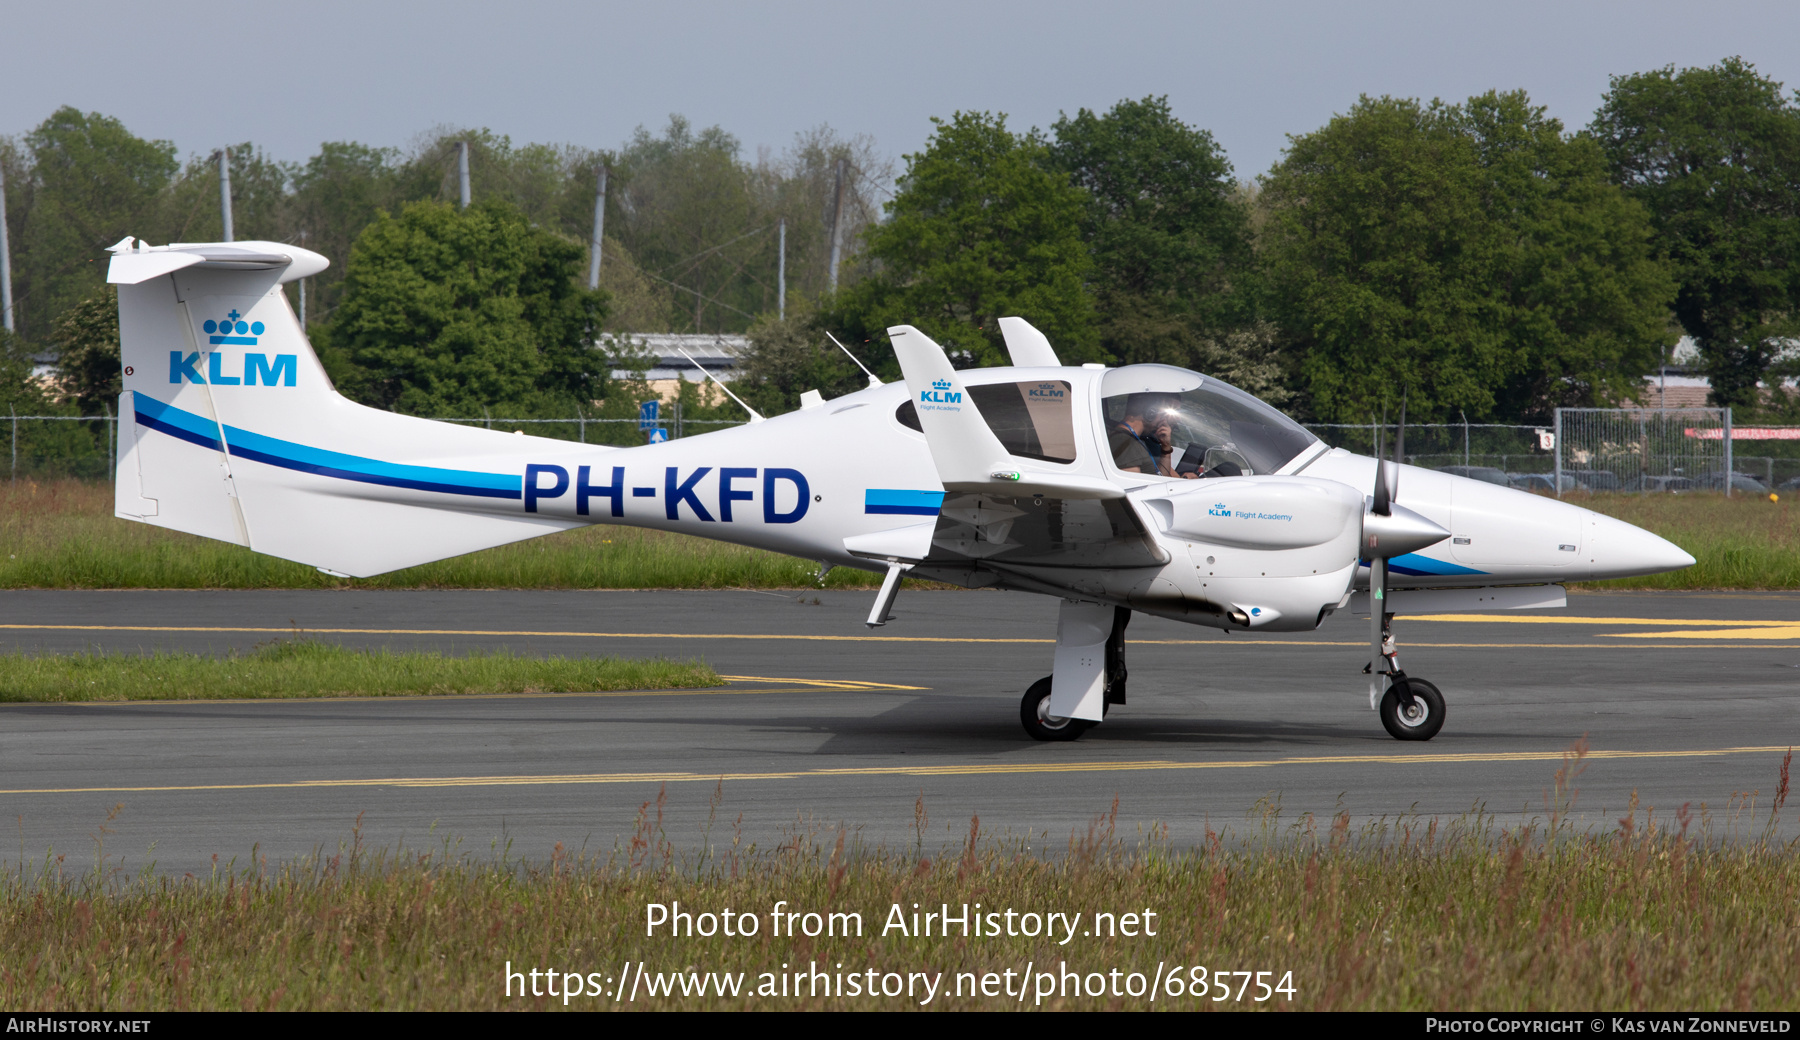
column 1620, row 550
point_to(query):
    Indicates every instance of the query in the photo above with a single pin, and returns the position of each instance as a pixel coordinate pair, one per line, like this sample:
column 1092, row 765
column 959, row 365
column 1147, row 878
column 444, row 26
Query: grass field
column 1694, row 912
column 303, row 668
column 62, row 534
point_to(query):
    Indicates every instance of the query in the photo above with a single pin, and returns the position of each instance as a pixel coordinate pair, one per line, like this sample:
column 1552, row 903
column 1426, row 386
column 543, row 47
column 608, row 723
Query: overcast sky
column 292, row 75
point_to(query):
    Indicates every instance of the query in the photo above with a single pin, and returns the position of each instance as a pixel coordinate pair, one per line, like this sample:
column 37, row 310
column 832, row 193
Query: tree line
column 1476, row 258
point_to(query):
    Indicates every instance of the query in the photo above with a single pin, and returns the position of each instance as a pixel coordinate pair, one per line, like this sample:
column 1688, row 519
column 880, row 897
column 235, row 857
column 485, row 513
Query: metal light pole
column 599, row 230
column 780, row 275
column 6, row 304
column 837, row 228
column 462, row 172
column 225, row 191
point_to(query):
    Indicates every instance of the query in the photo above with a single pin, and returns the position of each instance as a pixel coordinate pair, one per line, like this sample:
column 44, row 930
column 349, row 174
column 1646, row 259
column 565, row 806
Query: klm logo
column 1219, row 509
column 1047, row 391
column 256, row 370
column 940, row 393
column 220, row 333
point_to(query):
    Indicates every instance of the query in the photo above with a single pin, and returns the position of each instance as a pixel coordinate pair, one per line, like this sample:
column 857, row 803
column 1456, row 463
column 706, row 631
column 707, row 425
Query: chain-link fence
column 86, row 446
column 1635, row 449
column 1514, row 450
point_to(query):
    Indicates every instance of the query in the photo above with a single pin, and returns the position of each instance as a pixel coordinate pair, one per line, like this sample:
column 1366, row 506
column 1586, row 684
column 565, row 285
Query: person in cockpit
column 1143, row 440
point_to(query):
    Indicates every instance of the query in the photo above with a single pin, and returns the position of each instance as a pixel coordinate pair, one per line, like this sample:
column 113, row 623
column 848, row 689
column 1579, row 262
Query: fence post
column 1556, row 437
column 13, row 477
column 1728, row 452
column 112, row 461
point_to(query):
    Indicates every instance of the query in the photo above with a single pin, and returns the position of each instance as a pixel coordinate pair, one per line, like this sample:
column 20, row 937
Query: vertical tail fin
column 230, row 428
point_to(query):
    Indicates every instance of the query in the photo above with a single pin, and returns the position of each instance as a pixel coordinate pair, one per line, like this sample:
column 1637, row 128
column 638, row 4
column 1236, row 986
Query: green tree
column 448, row 311
column 690, row 214
column 1169, row 234
column 336, row 194
column 187, row 209
column 981, row 228
column 1714, row 154
column 87, row 352
column 788, row 358
column 1469, row 257
column 94, row 182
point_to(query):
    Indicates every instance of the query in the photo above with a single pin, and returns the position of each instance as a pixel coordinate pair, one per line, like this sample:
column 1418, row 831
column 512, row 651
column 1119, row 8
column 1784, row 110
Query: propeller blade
column 1381, row 495
column 1399, row 454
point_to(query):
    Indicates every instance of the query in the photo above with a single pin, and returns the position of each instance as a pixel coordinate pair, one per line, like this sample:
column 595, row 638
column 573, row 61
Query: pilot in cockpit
column 1143, row 439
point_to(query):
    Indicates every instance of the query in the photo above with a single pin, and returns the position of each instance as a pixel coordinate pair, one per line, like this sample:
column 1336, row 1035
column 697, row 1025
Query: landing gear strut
column 1411, row 709
column 1034, row 710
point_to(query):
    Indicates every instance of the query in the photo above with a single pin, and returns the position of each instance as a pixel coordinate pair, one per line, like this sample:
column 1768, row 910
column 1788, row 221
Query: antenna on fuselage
column 873, row 382
column 755, row 416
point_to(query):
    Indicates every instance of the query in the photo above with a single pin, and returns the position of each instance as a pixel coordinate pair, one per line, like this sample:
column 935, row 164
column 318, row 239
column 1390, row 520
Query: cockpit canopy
column 1212, row 427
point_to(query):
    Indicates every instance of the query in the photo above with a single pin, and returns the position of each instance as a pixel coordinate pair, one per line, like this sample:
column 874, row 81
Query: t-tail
column 230, row 429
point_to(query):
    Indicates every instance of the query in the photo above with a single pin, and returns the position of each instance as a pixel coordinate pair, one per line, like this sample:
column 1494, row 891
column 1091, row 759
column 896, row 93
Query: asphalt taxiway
column 1683, row 698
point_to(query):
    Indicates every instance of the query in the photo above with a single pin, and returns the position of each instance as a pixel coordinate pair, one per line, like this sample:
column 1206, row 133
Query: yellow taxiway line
column 1770, row 630
column 973, row 769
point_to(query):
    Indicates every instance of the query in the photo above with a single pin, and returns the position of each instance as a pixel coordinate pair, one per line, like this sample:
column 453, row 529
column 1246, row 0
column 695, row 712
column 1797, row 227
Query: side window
column 1034, row 420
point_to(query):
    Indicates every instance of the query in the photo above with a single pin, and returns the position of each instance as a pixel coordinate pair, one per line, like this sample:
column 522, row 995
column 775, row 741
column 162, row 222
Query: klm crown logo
column 940, row 393
column 233, row 331
column 1219, row 509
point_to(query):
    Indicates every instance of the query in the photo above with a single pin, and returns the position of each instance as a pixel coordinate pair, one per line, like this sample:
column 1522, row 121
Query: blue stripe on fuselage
column 1424, row 566
column 898, row 501
column 272, row 451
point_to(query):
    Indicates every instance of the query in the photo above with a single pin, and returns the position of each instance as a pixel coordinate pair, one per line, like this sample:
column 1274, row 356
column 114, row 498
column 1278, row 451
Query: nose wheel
column 1412, row 709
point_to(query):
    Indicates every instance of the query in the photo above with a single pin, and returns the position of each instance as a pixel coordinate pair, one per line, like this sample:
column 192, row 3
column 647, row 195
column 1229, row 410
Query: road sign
column 658, row 435
column 647, row 412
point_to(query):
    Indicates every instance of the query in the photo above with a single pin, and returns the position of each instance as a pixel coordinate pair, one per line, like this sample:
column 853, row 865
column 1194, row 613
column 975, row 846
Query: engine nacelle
column 1259, row 512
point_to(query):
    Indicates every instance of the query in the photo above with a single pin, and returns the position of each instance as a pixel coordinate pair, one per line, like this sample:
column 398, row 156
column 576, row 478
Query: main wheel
column 1420, row 722
column 1034, row 712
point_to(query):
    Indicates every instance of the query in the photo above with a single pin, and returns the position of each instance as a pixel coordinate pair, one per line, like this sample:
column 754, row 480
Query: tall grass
column 1681, row 913
column 1742, row 542
column 303, row 668
column 61, row 534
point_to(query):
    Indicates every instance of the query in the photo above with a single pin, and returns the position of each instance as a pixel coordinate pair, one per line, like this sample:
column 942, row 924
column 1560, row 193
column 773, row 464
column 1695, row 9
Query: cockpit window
column 1171, row 422
column 1033, row 419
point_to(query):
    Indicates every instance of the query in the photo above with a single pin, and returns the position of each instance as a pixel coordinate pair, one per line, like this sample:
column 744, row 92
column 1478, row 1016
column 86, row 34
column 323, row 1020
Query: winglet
column 1029, row 347
column 967, row 454
column 966, row 451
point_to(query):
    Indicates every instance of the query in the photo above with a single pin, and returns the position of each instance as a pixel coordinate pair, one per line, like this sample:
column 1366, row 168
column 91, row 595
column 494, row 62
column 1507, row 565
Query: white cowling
column 1259, row 512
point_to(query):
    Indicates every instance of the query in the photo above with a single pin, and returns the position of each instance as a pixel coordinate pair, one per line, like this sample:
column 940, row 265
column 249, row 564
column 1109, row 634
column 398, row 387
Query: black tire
column 1428, row 711
column 1042, row 726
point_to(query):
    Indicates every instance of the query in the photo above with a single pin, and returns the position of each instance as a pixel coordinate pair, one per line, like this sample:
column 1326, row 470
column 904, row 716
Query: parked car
column 1672, row 485
column 1715, row 481
column 1540, row 483
column 1487, row 473
column 1596, row 479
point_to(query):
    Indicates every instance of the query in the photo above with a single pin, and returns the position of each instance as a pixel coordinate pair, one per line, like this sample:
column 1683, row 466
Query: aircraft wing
column 1003, row 510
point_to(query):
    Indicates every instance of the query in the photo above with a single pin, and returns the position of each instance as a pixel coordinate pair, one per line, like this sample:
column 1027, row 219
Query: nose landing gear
column 1411, row 709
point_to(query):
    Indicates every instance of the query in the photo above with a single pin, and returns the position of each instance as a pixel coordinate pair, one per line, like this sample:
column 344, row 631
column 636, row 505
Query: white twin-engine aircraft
column 1146, row 488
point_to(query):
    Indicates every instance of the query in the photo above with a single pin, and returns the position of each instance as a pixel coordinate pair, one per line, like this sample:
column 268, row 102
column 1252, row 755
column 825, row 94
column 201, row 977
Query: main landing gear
column 1411, row 709
column 1034, row 710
